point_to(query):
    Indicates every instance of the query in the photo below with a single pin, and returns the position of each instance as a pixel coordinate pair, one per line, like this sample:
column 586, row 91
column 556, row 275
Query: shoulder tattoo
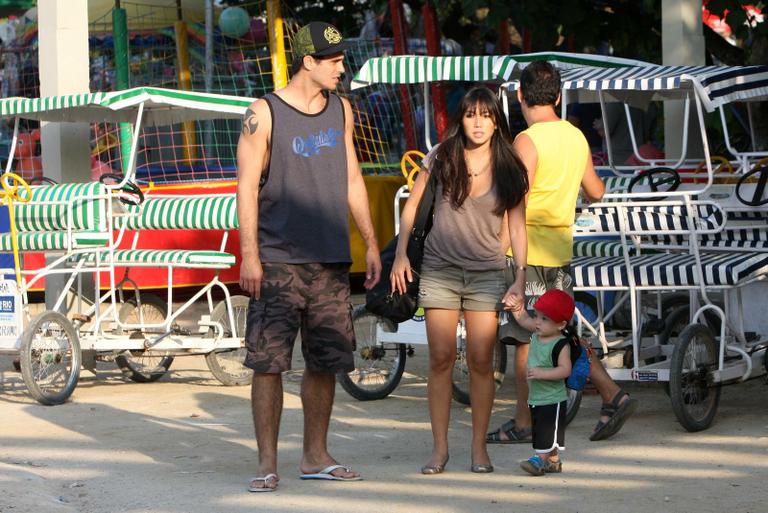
column 249, row 122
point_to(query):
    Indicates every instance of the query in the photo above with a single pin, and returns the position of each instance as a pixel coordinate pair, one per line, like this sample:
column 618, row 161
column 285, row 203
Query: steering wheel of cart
column 410, row 166
column 129, row 194
column 660, row 179
column 11, row 194
column 759, row 196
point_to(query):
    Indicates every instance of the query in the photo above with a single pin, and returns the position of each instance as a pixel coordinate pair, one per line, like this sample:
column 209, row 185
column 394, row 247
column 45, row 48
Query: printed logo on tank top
column 310, row 145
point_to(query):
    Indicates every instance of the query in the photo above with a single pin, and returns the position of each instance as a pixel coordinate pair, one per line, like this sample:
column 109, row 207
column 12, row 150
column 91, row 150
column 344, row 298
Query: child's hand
column 534, row 373
column 513, row 302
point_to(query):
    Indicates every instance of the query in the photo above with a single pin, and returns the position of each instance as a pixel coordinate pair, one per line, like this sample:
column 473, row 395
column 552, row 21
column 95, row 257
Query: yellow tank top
column 562, row 152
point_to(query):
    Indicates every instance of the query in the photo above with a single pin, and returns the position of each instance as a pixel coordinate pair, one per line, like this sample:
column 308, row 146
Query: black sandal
column 514, row 436
column 617, row 415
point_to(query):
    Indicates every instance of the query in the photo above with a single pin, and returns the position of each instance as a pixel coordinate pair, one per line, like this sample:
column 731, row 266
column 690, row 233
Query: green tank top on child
column 544, row 391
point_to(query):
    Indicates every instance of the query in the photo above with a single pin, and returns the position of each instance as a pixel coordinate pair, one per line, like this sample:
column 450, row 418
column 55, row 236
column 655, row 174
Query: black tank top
column 303, row 204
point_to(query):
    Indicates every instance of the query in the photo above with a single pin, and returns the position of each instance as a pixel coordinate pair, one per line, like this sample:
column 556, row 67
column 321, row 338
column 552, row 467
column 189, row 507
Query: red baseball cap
column 556, row 304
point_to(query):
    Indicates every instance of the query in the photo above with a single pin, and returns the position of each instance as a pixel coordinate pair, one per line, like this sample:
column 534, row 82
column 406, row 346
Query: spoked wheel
column 461, row 369
column 50, row 358
column 139, row 365
column 693, row 393
column 378, row 366
column 226, row 365
column 573, row 404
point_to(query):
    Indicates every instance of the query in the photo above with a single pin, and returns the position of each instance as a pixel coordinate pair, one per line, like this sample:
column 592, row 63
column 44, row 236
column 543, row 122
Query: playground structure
column 92, row 230
column 689, row 255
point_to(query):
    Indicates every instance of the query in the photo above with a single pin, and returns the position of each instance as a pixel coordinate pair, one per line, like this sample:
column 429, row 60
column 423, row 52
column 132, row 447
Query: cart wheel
column 573, row 404
column 694, row 395
column 139, row 365
column 50, row 358
column 461, row 370
column 226, row 365
column 378, row 367
column 674, row 323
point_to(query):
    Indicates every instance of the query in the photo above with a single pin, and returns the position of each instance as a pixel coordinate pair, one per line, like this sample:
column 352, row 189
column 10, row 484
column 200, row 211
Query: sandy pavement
column 185, row 444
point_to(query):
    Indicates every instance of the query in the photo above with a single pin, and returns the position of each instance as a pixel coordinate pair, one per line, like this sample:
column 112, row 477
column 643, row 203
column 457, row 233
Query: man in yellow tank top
column 557, row 157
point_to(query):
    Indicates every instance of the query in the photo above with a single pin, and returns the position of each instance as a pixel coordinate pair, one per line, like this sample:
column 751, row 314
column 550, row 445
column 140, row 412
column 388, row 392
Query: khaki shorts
column 453, row 288
column 538, row 280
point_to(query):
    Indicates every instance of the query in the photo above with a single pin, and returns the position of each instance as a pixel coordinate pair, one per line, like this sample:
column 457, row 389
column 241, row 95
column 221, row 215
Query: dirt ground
column 185, row 445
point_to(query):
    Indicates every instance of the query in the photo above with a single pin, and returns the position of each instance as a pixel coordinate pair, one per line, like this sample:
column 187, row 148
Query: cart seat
column 600, row 248
column 676, row 269
column 60, row 217
column 168, row 257
column 53, row 241
column 182, row 213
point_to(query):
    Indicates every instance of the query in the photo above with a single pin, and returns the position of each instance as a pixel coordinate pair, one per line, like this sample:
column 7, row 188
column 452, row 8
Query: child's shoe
column 534, row 466
column 553, row 467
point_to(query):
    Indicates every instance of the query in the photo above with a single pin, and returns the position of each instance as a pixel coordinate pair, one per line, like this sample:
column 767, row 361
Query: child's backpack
column 579, row 359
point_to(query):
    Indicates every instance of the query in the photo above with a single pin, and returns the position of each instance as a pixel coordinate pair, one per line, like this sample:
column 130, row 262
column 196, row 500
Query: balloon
column 234, row 22
column 258, row 31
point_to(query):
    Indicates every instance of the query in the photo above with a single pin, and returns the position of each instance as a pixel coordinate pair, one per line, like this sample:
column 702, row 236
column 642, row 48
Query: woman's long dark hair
column 510, row 179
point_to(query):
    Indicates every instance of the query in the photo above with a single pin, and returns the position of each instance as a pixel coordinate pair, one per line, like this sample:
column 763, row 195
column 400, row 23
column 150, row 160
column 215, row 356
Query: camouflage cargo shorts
column 313, row 298
column 538, row 280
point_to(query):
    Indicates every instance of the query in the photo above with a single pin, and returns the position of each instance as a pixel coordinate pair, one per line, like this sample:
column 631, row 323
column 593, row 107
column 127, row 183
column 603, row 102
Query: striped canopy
column 161, row 106
column 416, row 69
column 716, row 85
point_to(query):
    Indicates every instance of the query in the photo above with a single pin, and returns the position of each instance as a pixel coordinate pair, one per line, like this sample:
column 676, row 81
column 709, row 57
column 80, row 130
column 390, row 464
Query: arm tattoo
column 249, row 122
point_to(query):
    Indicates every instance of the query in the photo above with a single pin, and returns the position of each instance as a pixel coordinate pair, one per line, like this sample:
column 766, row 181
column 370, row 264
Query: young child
column 547, row 396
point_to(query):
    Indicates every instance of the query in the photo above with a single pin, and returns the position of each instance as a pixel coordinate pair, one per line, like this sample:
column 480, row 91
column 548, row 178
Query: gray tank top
column 303, row 204
column 467, row 237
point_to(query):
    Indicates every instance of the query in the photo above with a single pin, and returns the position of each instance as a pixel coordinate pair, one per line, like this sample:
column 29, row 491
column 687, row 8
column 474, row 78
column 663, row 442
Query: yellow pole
column 276, row 44
column 185, row 83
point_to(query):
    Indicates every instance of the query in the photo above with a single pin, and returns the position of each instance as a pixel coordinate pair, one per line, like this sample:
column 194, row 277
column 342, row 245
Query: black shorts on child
column 549, row 426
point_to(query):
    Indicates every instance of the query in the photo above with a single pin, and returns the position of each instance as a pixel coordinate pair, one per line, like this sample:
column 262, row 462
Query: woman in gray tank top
column 479, row 209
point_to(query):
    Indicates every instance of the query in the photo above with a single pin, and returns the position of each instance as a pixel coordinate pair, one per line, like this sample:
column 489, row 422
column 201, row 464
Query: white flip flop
column 326, row 475
column 264, row 480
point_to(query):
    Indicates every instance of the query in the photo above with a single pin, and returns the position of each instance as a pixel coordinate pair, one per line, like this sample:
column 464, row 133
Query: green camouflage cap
column 318, row 39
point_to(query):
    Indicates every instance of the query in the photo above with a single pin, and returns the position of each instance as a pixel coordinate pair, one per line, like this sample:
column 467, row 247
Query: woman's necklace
column 482, row 170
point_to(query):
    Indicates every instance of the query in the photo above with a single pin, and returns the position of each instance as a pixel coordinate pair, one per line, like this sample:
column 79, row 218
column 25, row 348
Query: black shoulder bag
column 395, row 306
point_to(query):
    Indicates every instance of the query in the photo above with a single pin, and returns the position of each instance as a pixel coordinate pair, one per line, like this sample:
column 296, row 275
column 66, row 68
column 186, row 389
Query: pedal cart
column 90, row 230
column 676, row 232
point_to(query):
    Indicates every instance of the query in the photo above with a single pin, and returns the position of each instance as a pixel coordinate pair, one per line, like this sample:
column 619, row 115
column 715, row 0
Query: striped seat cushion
column 742, row 238
column 644, row 219
column 180, row 213
column 602, row 248
column 678, row 269
column 51, row 206
column 169, row 257
column 52, row 241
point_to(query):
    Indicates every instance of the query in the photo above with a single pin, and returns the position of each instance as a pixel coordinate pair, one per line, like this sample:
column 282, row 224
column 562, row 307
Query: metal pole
column 208, row 73
column 185, row 82
column 276, row 44
column 120, row 42
column 401, row 48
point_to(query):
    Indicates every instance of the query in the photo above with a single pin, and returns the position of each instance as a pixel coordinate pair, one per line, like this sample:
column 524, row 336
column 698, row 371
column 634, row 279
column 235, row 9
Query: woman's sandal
column 434, row 469
column 617, row 415
column 514, row 436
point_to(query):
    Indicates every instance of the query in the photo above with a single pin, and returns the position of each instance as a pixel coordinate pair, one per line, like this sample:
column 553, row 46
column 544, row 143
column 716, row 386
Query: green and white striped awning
column 416, row 69
column 161, row 106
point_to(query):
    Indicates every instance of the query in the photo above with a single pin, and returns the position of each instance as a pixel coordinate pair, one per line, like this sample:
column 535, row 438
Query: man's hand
column 251, row 274
column 372, row 267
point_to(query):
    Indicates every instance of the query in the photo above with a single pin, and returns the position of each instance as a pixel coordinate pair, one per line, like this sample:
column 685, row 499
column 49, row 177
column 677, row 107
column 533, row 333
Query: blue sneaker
column 533, row 465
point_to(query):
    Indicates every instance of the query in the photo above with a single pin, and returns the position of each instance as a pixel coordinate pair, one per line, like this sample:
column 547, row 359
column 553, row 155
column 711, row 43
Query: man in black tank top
column 297, row 169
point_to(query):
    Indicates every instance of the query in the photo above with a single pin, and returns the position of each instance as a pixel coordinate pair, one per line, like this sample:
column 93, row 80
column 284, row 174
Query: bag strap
column 568, row 338
column 559, row 345
column 422, row 221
